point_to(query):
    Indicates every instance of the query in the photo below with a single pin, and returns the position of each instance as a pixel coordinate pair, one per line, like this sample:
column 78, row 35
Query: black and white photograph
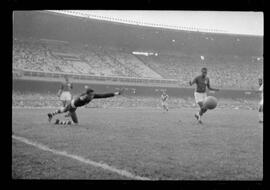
column 151, row 95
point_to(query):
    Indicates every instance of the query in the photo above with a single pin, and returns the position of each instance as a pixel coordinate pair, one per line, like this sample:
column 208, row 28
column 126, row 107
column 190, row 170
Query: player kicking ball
column 80, row 101
column 164, row 98
column 202, row 81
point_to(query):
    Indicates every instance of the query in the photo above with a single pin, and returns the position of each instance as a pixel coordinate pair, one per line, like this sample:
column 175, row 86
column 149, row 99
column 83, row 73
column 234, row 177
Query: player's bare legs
column 201, row 112
column 73, row 116
column 165, row 108
column 61, row 110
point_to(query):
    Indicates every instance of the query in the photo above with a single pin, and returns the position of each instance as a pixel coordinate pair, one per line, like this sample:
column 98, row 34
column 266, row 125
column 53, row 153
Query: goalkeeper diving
column 75, row 103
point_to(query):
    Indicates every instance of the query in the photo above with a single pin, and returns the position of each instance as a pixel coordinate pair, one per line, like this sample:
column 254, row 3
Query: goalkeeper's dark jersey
column 84, row 99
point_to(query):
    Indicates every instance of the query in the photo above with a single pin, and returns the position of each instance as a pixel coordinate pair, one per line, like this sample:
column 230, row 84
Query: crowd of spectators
column 132, row 63
column 32, row 54
column 225, row 71
column 106, row 64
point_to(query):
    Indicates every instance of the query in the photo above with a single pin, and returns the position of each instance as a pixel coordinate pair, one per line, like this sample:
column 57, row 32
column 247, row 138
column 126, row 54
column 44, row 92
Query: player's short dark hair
column 89, row 90
column 204, row 68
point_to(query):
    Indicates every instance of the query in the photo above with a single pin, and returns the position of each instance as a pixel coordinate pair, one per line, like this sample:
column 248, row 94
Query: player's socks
column 58, row 122
column 55, row 112
column 65, row 122
column 50, row 117
column 198, row 117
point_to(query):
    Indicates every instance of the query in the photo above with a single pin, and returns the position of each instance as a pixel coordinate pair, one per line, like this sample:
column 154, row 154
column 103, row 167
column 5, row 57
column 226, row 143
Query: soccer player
column 164, row 98
column 65, row 93
column 80, row 101
column 202, row 81
column 261, row 102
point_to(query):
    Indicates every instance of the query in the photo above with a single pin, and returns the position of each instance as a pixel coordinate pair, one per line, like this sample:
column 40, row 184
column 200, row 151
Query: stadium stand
column 133, row 64
column 225, row 71
column 74, row 58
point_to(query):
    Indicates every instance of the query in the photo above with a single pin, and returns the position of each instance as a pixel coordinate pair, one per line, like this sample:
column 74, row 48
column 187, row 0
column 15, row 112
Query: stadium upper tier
column 46, row 24
column 46, row 56
column 55, row 56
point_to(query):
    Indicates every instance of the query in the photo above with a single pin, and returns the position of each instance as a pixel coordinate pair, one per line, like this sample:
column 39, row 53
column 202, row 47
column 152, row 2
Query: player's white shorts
column 65, row 96
column 199, row 97
column 261, row 102
column 164, row 104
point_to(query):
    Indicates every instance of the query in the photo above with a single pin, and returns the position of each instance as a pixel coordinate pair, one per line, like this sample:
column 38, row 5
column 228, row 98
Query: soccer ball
column 210, row 102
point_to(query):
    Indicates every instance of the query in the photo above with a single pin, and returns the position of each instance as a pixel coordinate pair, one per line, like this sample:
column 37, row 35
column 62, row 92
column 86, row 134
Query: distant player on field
column 164, row 98
column 202, row 81
column 261, row 102
column 65, row 93
column 80, row 101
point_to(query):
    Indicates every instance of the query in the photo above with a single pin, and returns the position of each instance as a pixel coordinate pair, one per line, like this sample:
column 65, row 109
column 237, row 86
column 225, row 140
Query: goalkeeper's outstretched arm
column 107, row 95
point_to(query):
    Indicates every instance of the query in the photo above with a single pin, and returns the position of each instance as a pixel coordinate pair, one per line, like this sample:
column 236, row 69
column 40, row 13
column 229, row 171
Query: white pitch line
column 80, row 159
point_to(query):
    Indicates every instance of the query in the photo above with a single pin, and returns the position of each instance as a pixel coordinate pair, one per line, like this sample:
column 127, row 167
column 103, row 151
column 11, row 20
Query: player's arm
column 107, row 95
column 209, row 87
column 193, row 81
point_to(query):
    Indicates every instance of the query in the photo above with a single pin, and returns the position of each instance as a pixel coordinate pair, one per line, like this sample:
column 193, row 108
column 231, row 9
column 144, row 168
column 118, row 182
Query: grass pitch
column 145, row 142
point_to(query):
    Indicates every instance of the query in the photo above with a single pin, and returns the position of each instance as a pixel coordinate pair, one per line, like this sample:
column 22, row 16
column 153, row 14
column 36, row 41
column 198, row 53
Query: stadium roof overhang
column 44, row 24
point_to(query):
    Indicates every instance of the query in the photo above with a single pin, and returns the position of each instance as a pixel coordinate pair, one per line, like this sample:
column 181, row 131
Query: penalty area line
column 80, row 159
